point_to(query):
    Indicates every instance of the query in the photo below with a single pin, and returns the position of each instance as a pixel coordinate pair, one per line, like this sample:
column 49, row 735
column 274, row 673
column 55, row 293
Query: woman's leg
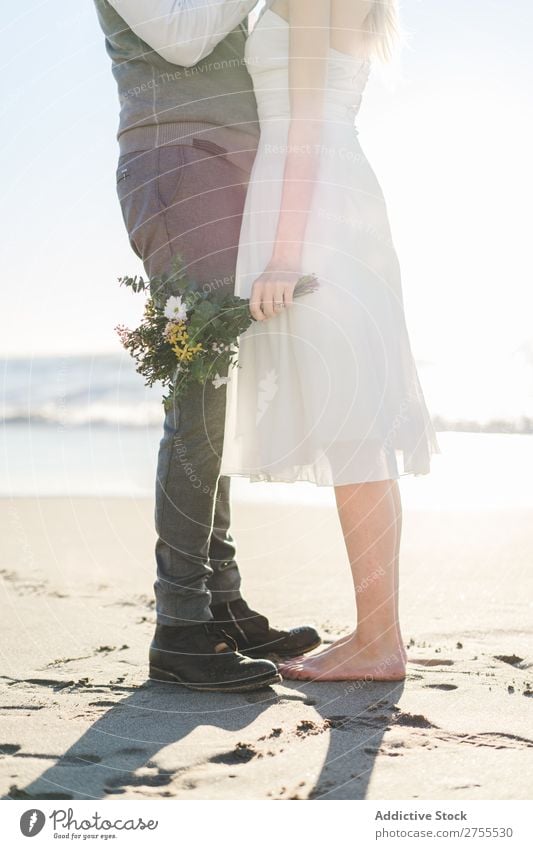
column 399, row 517
column 370, row 516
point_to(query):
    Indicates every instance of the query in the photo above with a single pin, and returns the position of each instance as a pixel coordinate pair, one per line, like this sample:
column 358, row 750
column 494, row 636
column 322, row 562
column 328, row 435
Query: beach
column 448, row 117
column 80, row 719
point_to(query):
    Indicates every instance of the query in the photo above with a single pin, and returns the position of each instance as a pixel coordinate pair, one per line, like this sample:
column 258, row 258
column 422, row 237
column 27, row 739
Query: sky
column 449, row 138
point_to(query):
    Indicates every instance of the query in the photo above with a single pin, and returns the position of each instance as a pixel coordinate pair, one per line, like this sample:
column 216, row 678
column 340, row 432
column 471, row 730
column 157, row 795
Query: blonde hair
column 382, row 29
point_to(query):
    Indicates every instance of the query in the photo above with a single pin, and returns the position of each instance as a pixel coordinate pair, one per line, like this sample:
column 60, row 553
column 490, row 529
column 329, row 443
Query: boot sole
column 156, row 674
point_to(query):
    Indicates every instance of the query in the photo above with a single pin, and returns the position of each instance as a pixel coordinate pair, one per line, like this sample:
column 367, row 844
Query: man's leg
column 194, row 552
column 182, row 199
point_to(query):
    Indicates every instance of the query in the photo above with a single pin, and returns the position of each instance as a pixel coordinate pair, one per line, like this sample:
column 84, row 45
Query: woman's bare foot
column 352, row 637
column 349, row 660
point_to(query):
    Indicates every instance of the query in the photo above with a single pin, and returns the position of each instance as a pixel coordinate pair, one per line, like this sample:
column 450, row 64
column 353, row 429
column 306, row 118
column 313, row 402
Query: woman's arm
column 309, row 46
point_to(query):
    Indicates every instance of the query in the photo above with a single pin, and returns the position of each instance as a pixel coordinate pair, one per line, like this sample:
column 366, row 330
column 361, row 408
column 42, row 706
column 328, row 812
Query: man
column 187, row 135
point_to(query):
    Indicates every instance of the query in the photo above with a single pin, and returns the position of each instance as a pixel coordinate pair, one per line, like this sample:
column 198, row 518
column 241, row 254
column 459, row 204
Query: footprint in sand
column 514, row 660
column 79, row 760
column 242, row 753
column 16, row 792
column 490, row 739
column 396, row 717
column 149, row 776
column 8, row 748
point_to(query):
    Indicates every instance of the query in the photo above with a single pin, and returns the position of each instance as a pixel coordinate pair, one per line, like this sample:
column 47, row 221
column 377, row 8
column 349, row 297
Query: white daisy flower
column 175, row 309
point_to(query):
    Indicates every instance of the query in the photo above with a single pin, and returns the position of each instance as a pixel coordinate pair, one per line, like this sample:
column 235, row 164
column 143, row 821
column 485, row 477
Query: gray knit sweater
column 162, row 103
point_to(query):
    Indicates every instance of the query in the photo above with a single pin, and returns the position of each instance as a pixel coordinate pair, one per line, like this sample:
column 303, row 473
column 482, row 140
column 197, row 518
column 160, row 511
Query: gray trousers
column 188, row 199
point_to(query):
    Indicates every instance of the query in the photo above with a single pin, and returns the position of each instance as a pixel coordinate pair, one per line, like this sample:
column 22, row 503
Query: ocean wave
column 95, row 415
column 105, row 391
column 151, row 414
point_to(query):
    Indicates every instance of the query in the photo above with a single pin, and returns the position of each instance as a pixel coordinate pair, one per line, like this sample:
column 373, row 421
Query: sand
column 80, row 720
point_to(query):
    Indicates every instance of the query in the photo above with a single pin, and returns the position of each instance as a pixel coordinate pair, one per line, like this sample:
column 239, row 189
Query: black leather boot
column 203, row 657
column 256, row 638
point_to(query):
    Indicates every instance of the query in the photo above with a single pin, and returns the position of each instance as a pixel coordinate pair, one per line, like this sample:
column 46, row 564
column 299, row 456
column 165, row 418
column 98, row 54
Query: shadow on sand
column 116, row 754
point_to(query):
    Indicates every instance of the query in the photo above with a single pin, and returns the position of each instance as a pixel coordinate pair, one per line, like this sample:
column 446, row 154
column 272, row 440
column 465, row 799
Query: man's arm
column 183, row 31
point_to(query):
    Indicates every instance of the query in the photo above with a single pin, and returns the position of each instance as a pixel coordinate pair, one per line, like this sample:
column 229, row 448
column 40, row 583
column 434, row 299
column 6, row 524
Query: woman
column 328, row 390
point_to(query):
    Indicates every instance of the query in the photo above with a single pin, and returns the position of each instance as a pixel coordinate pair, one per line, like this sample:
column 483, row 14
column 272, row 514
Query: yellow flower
column 186, row 352
column 178, row 338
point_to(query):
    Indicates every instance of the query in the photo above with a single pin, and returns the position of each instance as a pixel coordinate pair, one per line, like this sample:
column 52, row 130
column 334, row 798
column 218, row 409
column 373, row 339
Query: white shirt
column 183, row 31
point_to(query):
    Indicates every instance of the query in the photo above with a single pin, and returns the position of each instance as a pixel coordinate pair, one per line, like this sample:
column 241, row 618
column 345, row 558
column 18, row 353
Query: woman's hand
column 272, row 292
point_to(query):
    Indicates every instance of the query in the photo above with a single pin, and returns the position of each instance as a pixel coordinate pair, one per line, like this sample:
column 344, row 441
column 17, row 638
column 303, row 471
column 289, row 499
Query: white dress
column 327, row 391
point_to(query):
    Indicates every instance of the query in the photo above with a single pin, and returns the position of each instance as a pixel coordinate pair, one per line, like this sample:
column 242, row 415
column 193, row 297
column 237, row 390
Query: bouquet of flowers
column 188, row 333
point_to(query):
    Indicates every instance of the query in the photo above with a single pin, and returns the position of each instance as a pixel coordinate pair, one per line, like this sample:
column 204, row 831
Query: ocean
column 86, row 425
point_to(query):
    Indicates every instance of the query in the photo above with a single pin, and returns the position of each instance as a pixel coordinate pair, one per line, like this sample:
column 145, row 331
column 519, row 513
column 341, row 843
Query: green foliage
column 215, row 320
